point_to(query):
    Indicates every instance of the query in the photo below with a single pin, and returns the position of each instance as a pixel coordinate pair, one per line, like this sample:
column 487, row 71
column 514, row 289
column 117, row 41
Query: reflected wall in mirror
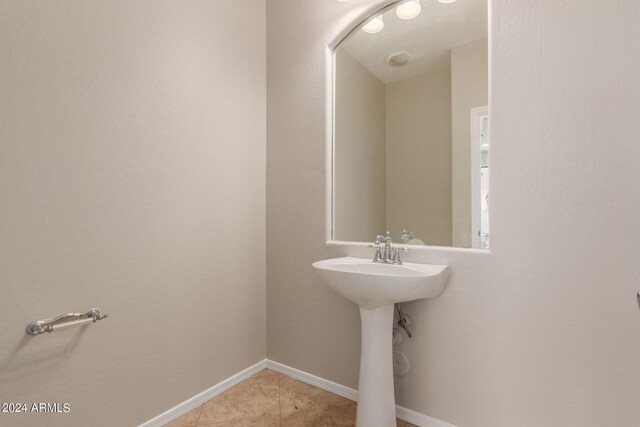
column 411, row 126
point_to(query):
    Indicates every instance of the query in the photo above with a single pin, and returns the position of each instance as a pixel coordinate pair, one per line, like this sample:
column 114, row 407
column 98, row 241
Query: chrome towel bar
column 64, row 321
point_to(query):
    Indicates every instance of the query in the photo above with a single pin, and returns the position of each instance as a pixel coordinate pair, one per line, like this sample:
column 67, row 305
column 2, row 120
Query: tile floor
column 268, row 399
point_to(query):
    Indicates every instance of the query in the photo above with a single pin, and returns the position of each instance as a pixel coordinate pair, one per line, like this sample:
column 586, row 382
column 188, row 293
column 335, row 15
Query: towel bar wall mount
column 64, row 321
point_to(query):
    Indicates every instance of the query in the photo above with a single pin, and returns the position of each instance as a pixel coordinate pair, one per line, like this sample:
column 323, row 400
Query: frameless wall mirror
column 411, row 126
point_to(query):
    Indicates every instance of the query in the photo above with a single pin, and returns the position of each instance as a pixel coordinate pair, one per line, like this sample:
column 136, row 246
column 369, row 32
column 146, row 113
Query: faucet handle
column 396, row 254
column 386, row 238
column 377, row 257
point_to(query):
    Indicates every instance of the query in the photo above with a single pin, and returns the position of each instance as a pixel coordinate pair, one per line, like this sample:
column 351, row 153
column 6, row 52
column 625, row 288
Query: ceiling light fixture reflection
column 398, row 59
column 446, row 1
column 409, row 9
column 375, row 25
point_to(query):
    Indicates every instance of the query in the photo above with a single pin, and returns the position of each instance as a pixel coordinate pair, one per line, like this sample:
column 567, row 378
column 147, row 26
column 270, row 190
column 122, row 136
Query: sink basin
column 375, row 287
column 372, row 285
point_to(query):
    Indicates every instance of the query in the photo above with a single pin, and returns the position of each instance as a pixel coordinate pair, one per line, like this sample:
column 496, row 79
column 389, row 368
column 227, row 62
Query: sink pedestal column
column 376, row 400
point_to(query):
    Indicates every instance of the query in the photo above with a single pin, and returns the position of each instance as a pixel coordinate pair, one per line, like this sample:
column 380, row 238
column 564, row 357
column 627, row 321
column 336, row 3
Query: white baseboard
column 405, row 414
column 330, row 386
column 419, row 419
column 200, row 398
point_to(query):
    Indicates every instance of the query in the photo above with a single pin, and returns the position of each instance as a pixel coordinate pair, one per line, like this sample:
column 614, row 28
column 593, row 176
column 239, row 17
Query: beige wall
column 419, row 157
column 360, row 169
column 469, row 77
column 543, row 330
column 132, row 164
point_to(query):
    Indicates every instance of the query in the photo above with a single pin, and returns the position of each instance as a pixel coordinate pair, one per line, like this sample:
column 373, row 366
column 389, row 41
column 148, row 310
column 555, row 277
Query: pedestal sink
column 376, row 287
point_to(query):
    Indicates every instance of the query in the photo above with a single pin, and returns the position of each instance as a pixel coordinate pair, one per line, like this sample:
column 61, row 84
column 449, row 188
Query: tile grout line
column 200, row 413
column 279, row 401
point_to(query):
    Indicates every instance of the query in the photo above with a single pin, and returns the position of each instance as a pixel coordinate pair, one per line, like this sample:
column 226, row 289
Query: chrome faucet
column 387, row 257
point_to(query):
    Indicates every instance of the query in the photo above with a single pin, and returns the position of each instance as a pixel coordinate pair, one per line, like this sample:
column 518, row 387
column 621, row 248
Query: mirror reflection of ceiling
column 428, row 38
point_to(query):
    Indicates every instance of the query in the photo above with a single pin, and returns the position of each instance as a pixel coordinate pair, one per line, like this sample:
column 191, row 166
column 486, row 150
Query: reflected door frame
column 477, row 114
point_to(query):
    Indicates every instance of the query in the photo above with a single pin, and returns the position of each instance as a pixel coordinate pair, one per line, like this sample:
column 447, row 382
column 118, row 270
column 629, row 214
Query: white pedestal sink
column 376, row 287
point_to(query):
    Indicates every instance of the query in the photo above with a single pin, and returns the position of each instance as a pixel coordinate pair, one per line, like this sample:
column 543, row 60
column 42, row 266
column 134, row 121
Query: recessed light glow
column 441, row 1
column 375, row 25
column 409, row 9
